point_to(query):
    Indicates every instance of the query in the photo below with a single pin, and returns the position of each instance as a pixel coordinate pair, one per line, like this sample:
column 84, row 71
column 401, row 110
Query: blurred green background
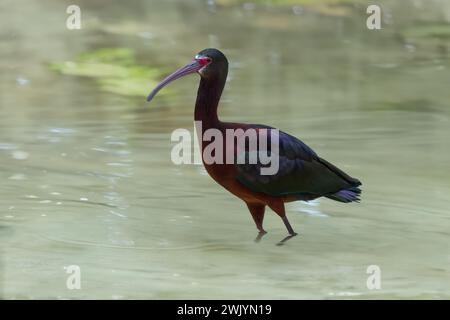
column 85, row 162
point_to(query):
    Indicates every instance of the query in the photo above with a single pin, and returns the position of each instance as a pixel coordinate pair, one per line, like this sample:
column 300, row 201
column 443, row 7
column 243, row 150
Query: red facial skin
column 203, row 61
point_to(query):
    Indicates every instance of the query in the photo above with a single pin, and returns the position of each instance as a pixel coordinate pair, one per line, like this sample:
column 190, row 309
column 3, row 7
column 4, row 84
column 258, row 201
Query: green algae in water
column 115, row 70
column 429, row 30
column 409, row 105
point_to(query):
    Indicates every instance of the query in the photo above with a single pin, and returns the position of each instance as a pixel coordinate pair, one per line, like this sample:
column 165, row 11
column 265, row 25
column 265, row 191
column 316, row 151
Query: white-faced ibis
column 302, row 174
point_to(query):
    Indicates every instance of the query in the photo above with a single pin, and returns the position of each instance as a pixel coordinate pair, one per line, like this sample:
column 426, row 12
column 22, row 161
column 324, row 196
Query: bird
column 302, row 175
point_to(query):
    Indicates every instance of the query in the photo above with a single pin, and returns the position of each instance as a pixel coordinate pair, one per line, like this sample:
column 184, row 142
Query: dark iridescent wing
column 301, row 172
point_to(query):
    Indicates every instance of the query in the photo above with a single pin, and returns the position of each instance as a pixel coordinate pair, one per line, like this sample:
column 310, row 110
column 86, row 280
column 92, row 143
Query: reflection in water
column 87, row 176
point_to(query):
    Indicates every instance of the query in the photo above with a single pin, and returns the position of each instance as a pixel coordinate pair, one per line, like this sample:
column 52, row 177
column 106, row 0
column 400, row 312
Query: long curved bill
column 192, row 67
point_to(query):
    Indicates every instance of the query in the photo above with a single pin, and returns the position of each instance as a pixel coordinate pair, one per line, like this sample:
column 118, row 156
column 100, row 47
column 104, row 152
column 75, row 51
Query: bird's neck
column 208, row 96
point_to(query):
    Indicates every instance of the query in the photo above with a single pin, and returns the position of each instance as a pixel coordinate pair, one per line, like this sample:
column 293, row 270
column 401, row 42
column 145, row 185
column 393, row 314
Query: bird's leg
column 260, row 235
column 279, row 209
column 257, row 211
column 291, row 231
column 288, row 226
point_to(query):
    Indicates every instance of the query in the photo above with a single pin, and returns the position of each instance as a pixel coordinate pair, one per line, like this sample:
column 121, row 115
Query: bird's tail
column 351, row 194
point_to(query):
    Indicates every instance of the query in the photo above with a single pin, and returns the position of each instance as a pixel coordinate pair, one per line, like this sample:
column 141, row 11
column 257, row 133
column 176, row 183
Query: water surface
column 88, row 180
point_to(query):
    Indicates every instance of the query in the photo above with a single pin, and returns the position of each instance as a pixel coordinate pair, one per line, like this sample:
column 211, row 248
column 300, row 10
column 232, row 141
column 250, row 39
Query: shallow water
column 88, row 180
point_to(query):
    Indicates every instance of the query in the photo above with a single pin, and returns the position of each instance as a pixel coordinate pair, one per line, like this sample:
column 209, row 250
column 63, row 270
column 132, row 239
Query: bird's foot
column 261, row 234
column 286, row 238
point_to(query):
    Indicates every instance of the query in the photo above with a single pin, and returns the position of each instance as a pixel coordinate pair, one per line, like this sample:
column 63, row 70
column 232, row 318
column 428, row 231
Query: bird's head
column 209, row 63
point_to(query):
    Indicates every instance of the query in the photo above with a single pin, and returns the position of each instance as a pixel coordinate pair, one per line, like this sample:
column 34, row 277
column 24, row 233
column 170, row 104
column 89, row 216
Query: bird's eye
column 203, row 60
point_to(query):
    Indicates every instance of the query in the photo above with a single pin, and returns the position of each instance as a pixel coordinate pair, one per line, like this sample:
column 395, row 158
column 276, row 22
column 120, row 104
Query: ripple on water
column 22, row 81
column 18, row 176
column 20, row 155
column 7, row 146
column 64, row 131
column 163, row 244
